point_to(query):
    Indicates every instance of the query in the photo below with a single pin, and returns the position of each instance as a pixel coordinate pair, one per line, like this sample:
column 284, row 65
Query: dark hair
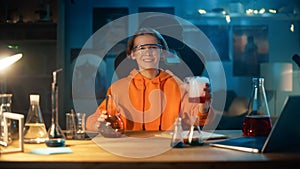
column 146, row 31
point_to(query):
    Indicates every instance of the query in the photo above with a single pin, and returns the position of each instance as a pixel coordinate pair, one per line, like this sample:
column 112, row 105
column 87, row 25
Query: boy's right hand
column 102, row 118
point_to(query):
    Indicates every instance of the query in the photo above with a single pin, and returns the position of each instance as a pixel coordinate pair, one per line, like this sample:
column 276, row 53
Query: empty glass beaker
column 257, row 121
column 80, row 126
column 35, row 129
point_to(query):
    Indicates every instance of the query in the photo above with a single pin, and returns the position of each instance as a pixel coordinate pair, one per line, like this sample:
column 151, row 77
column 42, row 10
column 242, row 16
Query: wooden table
column 87, row 154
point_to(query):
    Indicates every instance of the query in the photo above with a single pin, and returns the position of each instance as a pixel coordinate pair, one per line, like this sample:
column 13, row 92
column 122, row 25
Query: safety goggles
column 142, row 49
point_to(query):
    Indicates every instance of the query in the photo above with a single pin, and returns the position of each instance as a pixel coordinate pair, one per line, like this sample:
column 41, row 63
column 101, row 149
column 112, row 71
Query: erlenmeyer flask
column 112, row 126
column 35, row 130
column 257, row 122
column 177, row 137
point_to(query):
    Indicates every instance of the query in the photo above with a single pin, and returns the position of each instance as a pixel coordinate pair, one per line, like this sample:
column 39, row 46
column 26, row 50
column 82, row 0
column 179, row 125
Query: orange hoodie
column 147, row 104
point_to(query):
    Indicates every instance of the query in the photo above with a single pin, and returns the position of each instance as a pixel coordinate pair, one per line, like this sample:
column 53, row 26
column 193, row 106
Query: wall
column 282, row 43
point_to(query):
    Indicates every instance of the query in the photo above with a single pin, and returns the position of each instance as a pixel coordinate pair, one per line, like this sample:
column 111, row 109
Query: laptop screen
column 286, row 131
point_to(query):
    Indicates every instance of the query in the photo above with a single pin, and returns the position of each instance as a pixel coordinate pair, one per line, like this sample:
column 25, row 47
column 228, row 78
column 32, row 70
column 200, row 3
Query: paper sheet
column 54, row 150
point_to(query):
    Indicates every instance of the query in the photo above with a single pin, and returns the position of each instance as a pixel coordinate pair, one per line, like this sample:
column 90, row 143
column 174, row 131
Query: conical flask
column 112, row 126
column 257, row 121
column 35, row 130
column 55, row 134
column 177, row 137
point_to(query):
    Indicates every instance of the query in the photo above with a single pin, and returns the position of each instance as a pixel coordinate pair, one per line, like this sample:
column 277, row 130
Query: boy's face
column 146, row 52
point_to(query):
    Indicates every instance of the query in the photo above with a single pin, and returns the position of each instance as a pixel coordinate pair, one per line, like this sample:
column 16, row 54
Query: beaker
column 35, row 129
column 194, row 85
column 70, row 125
column 257, row 121
column 80, row 126
column 5, row 101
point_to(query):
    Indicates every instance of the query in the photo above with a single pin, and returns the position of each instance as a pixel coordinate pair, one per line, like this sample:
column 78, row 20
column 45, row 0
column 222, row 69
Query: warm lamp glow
column 9, row 60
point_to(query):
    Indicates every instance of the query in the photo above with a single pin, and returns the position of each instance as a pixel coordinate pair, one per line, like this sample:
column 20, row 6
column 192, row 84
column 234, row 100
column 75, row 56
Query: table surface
column 88, row 154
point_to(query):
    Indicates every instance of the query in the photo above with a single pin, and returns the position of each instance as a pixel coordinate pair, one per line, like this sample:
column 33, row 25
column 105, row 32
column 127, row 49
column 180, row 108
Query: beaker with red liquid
column 257, row 122
column 195, row 87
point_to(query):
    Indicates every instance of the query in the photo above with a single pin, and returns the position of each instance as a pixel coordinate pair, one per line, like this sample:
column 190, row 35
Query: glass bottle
column 113, row 125
column 177, row 138
column 55, row 134
column 257, row 121
column 35, row 129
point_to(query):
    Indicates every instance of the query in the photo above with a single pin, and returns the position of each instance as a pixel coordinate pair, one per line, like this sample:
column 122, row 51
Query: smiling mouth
column 148, row 60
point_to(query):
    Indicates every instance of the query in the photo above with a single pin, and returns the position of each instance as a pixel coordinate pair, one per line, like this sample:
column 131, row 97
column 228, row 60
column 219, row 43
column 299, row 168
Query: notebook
column 205, row 135
column 285, row 133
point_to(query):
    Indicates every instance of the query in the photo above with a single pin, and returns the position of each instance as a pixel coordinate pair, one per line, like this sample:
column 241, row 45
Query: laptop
column 285, row 133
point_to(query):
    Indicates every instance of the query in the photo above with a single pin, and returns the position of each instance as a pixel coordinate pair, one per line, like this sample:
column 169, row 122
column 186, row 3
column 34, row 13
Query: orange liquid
column 257, row 126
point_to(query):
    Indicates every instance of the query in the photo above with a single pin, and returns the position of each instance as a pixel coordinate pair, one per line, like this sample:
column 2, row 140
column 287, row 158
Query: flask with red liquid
column 257, row 121
column 113, row 126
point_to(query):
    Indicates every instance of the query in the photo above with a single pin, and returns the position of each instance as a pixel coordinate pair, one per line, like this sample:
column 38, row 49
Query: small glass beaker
column 75, row 125
column 70, row 125
column 257, row 121
column 5, row 101
column 80, row 126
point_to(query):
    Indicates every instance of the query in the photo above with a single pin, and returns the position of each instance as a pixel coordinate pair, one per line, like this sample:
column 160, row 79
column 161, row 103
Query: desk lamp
column 5, row 115
column 6, row 61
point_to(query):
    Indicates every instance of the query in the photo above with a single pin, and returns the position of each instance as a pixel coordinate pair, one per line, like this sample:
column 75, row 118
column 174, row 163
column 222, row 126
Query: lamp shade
column 9, row 60
column 278, row 76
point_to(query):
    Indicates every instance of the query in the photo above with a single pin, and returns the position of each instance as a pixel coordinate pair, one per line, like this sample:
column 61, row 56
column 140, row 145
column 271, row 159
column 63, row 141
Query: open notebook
column 284, row 134
column 205, row 135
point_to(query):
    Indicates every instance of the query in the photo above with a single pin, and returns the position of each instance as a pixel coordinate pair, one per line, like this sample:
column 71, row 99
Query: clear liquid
column 35, row 133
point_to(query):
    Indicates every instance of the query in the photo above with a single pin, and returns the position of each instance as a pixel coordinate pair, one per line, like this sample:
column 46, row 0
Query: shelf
column 28, row 31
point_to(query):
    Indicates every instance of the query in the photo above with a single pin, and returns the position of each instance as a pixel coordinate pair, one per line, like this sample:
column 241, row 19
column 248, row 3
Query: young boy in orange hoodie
column 150, row 98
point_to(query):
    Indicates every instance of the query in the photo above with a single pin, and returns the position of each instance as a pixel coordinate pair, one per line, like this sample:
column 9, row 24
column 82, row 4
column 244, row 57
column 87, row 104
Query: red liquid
column 257, row 126
column 113, row 127
column 200, row 99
